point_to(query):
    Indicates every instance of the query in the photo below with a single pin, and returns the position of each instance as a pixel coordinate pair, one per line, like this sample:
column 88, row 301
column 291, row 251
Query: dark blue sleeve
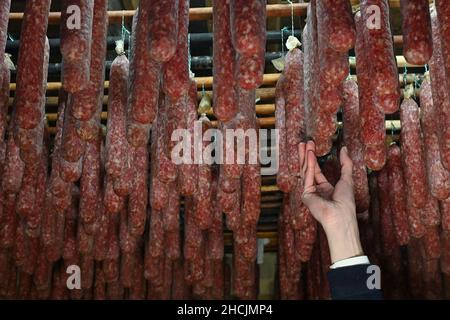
column 350, row 283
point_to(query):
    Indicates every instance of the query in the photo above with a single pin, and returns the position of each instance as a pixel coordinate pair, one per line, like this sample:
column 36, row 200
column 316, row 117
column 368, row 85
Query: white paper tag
column 120, row 47
column 292, row 43
column 262, row 242
column 278, row 63
column 9, row 62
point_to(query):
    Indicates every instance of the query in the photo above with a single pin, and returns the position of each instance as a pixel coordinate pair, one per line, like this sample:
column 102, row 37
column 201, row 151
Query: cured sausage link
column 285, row 181
column 248, row 26
column 416, row 26
column 397, row 199
column 145, row 73
column 76, row 43
column 116, row 142
column 372, row 120
column 4, row 18
column 380, row 50
column 176, row 70
column 388, row 240
column 340, row 33
column 248, row 23
column 439, row 78
column 163, row 29
column 90, row 182
column 138, row 199
column 30, row 75
column 438, row 176
column 224, row 92
column 88, row 104
column 413, row 154
column 294, row 114
column 352, row 140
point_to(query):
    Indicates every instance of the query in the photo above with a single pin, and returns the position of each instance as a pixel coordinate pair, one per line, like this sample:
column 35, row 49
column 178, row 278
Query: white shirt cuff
column 350, row 262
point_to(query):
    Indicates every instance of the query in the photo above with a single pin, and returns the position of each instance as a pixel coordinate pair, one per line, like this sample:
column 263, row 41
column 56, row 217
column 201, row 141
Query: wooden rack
column 271, row 195
column 198, row 14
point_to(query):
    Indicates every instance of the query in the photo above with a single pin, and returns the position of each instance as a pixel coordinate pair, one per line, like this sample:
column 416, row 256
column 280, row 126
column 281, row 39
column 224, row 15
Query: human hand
column 333, row 207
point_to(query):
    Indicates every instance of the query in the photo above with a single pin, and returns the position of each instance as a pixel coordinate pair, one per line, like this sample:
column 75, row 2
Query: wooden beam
column 392, row 3
column 196, row 14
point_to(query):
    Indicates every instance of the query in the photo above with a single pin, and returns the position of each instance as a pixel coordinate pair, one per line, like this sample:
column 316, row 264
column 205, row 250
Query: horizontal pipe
column 270, row 79
column 195, row 38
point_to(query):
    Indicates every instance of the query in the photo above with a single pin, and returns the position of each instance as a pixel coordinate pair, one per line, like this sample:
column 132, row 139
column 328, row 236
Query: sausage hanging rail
column 271, row 199
column 198, row 14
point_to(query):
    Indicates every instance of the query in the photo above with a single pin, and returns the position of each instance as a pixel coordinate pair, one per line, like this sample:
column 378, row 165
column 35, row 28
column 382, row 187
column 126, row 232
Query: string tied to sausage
column 125, row 33
column 292, row 42
column 409, row 91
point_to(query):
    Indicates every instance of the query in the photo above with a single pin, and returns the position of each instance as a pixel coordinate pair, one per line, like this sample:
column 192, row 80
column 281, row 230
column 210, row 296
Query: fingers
column 315, row 203
column 318, row 175
column 302, row 153
column 311, row 162
column 346, row 166
column 343, row 191
column 311, row 146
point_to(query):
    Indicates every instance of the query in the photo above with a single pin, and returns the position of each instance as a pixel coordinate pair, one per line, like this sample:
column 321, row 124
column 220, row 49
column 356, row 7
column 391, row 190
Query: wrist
column 344, row 244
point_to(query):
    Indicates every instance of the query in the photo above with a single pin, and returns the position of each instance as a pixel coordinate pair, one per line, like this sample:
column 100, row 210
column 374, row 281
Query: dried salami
column 9, row 221
column 145, row 74
column 72, row 146
column 27, row 193
column 294, row 116
column 431, row 243
column 285, row 181
column 112, row 202
column 14, row 166
column 4, row 102
column 388, row 240
column 176, row 70
column 413, row 154
column 90, row 191
column 137, row 201
column 352, row 141
column 397, row 198
column 76, row 43
column 373, row 130
column 380, row 51
column 438, row 83
column 248, row 26
column 430, row 214
column 187, row 171
column 340, row 27
column 116, row 142
column 30, row 75
column 89, row 100
column 333, row 65
column 163, row 29
column 4, row 18
column 224, row 87
column 416, row 26
column 445, row 252
column 438, row 177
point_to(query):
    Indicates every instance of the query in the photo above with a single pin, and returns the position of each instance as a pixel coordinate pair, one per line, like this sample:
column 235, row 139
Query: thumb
column 314, row 202
column 343, row 190
column 346, row 166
